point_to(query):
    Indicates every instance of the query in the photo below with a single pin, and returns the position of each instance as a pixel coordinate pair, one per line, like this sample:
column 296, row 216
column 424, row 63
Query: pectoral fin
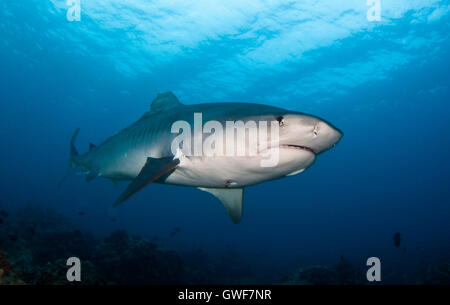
column 231, row 199
column 152, row 170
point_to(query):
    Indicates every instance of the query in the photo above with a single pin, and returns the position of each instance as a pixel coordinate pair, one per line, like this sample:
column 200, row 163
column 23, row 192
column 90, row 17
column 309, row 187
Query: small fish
column 1, row 221
column 13, row 237
column 3, row 213
column 397, row 239
column 81, row 213
column 113, row 219
column 175, row 231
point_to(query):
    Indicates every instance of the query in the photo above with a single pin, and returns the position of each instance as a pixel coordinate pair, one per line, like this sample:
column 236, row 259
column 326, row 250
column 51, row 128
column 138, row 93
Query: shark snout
column 325, row 136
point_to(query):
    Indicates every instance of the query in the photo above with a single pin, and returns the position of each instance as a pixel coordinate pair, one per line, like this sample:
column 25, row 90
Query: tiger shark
column 144, row 152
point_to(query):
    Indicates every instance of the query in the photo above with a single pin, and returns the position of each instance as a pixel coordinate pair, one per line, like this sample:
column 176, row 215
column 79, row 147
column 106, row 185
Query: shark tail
column 73, row 150
column 72, row 159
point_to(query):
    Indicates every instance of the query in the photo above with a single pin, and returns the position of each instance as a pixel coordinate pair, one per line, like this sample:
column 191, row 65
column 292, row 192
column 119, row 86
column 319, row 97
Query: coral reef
column 39, row 241
column 312, row 275
column 7, row 274
column 54, row 273
column 49, row 246
column 438, row 273
column 133, row 260
column 35, row 244
column 340, row 274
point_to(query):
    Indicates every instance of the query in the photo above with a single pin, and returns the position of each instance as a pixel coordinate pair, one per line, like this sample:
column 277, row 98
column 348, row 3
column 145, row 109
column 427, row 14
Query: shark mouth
column 298, row 147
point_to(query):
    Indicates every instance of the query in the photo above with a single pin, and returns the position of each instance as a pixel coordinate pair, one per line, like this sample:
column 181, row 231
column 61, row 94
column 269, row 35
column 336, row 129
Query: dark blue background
column 390, row 173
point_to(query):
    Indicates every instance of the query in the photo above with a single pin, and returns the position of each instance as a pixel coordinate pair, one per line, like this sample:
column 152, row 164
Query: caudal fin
column 73, row 150
column 73, row 155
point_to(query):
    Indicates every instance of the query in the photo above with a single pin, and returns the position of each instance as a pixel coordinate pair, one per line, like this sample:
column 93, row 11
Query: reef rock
column 7, row 274
column 132, row 260
column 340, row 274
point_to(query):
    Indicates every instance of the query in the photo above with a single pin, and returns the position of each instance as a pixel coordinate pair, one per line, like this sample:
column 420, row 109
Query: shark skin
column 142, row 153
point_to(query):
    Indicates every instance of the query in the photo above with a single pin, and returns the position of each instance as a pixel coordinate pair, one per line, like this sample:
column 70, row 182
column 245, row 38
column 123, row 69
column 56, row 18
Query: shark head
column 305, row 132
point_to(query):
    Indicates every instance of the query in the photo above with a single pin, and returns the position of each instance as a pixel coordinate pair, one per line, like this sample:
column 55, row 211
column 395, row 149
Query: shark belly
column 237, row 172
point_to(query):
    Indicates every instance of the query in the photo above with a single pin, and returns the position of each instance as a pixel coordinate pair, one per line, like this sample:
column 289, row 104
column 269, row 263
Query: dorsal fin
column 91, row 146
column 164, row 102
column 231, row 199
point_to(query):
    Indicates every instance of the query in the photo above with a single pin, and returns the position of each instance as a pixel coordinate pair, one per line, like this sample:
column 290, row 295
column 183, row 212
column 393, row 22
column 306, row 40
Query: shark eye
column 281, row 121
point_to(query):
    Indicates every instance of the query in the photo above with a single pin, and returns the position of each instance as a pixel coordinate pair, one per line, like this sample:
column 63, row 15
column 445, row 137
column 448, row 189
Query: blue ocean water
column 384, row 83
